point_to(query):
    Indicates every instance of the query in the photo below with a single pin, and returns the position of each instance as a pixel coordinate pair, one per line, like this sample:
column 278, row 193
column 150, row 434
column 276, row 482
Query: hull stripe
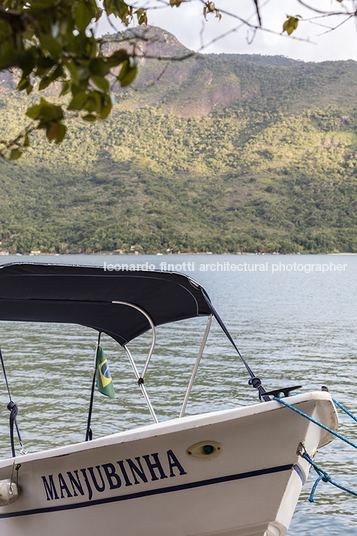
column 158, row 491
column 300, row 473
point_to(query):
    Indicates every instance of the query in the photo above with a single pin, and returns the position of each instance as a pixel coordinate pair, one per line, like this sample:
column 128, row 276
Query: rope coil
column 325, row 477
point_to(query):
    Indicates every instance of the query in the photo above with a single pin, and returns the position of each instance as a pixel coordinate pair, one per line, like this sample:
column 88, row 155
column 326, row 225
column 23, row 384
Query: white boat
column 236, row 472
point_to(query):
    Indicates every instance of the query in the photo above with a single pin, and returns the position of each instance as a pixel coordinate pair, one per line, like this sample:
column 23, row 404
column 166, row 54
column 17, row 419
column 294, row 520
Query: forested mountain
column 223, row 153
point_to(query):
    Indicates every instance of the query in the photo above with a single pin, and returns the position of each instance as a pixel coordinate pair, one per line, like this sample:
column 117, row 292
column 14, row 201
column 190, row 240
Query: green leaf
column 95, row 103
column 44, row 66
column 81, row 88
column 89, row 117
column 8, row 55
column 99, row 67
column 26, row 141
column 23, row 84
column 57, row 73
column 119, row 9
column 52, row 131
column 78, row 101
column 61, row 133
column 120, row 54
column 72, row 68
column 101, row 82
column 15, row 154
column 83, row 73
column 127, row 73
column 33, row 112
column 118, row 57
column 56, row 131
column 65, row 88
column 45, row 82
column 53, row 46
column 29, row 36
column 83, row 15
column 45, row 112
column 49, row 111
column 291, row 24
column 141, row 16
column 106, row 107
column 27, row 64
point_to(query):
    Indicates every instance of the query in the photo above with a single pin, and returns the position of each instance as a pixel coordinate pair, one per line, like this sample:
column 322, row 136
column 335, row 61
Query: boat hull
column 154, row 481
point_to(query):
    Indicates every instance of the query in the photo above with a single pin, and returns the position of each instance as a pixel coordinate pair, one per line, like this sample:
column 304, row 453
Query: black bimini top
column 85, row 295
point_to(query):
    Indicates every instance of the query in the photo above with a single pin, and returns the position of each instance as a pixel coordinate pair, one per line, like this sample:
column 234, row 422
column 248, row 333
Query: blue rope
column 316, row 422
column 325, row 477
column 344, row 409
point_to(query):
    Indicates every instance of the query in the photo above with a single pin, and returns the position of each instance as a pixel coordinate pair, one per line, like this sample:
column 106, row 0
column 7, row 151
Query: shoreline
column 136, row 254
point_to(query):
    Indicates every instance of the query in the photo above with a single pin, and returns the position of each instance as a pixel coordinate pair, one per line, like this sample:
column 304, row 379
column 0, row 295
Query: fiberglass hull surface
column 144, row 481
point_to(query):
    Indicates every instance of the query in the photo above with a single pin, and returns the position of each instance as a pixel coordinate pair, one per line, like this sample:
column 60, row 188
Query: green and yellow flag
column 104, row 379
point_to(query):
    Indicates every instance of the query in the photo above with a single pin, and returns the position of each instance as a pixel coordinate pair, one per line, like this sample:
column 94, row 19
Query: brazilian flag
column 104, row 379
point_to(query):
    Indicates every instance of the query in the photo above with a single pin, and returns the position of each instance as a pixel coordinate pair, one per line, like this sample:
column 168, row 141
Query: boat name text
column 111, row 476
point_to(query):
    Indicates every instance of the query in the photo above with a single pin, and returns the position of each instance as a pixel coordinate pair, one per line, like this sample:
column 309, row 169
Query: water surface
column 292, row 317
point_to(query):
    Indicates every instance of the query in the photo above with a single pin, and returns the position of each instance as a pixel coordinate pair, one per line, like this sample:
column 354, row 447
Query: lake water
column 294, row 319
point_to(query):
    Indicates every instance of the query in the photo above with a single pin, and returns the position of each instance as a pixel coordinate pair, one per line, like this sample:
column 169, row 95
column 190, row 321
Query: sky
column 313, row 41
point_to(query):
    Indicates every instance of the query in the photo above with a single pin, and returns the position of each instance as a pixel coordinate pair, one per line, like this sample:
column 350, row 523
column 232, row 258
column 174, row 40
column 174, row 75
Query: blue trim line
column 159, row 491
column 300, row 473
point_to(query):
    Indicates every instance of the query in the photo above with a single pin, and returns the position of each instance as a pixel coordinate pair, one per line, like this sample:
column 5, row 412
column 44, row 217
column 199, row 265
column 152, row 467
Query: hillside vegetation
column 224, row 153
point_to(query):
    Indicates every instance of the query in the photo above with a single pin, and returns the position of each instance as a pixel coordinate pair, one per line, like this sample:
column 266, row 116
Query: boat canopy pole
column 140, row 378
column 198, row 359
column 153, row 328
column 141, row 383
column 89, row 434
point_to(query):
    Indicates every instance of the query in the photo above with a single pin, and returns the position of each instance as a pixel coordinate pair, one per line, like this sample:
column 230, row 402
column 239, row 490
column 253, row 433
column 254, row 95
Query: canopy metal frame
column 140, row 377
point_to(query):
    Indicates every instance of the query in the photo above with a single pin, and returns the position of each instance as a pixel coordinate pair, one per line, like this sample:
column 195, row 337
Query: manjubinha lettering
column 109, row 476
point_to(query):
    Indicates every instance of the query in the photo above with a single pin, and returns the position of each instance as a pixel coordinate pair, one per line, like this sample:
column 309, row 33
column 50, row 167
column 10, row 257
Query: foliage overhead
column 272, row 169
column 52, row 42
